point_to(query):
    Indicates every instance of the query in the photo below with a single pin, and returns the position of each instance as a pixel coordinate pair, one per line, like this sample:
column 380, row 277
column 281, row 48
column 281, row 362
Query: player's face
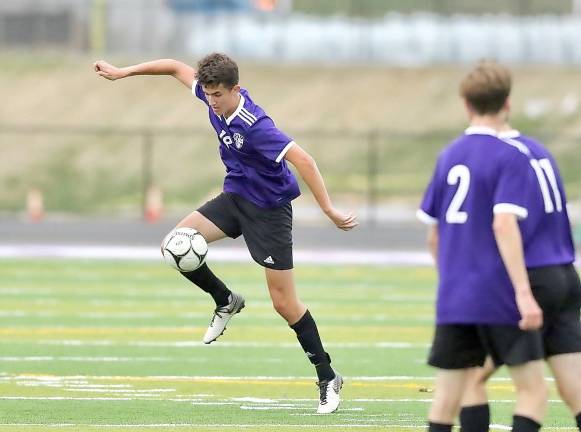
column 222, row 100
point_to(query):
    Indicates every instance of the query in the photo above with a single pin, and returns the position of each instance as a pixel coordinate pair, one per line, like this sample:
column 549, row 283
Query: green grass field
column 115, row 346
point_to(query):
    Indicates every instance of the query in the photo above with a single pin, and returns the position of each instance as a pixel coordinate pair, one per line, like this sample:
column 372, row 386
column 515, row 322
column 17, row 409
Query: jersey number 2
column 458, row 174
column 544, row 171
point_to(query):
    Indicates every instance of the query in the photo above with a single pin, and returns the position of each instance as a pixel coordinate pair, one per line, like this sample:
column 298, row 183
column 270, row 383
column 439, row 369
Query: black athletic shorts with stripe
column 558, row 291
column 266, row 231
column 460, row 346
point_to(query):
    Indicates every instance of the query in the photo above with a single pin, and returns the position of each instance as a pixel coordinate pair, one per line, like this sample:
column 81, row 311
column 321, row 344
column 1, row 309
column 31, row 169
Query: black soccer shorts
column 558, row 291
column 461, row 346
column 267, row 231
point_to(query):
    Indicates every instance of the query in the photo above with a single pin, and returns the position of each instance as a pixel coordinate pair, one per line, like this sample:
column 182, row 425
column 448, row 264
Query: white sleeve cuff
column 283, row 152
column 426, row 218
column 194, row 84
column 519, row 211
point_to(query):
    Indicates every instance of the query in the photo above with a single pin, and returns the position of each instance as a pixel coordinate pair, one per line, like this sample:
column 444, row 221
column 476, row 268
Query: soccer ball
column 184, row 249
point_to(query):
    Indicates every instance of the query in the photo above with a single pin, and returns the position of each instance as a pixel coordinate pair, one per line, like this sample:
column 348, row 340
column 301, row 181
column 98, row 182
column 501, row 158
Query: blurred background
column 369, row 87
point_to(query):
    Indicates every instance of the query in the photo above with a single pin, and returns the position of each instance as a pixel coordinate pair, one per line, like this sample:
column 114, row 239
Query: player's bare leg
column 227, row 302
column 475, row 412
column 203, row 225
column 286, row 302
column 567, row 372
column 531, row 395
column 449, row 388
column 283, row 294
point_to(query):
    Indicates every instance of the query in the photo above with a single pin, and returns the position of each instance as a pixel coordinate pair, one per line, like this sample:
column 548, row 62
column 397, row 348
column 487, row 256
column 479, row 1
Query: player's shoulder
column 535, row 147
column 474, row 139
column 481, row 148
column 247, row 114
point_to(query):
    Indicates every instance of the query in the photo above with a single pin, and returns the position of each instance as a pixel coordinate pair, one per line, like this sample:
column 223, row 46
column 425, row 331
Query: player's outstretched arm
column 181, row 71
column 307, row 168
column 509, row 241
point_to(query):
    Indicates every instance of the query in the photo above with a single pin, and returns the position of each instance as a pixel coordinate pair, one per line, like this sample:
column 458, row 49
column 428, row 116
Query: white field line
column 132, row 300
column 64, row 398
column 196, row 344
column 76, row 387
column 232, row 401
column 85, row 385
column 97, row 359
column 218, row 254
column 93, row 315
column 231, row 426
column 136, row 391
column 259, row 400
column 186, row 315
column 185, row 378
column 281, row 408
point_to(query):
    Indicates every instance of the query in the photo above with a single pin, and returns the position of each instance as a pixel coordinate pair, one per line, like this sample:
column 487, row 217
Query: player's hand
column 342, row 220
column 108, row 71
column 531, row 313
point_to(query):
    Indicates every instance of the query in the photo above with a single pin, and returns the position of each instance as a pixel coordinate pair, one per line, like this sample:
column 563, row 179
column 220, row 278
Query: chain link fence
column 88, row 171
column 109, row 171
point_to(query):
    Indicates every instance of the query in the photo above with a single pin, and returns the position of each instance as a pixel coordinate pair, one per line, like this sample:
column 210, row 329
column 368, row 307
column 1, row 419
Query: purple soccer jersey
column 547, row 234
column 476, row 176
column 253, row 149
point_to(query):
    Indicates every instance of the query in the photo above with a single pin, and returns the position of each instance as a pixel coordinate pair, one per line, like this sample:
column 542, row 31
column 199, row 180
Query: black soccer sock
column 524, row 424
column 207, row 281
column 439, row 427
column 475, row 418
column 578, row 418
column 309, row 338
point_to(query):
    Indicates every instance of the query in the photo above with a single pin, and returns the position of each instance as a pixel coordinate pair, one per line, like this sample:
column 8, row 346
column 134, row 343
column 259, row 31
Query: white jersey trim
column 245, row 120
column 248, row 114
column 518, row 145
column 521, row 212
column 513, row 133
column 235, row 113
column 481, row 130
column 284, row 151
column 248, row 118
column 426, row 218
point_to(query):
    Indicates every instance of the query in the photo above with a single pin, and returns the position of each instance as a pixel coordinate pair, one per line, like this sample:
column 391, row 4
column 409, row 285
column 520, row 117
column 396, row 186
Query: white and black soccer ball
column 184, row 249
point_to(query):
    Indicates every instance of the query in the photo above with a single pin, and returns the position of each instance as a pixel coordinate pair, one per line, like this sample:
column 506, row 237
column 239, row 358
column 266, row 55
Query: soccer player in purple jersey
column 485, row 306
column 255, row 203
column 549, row 256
